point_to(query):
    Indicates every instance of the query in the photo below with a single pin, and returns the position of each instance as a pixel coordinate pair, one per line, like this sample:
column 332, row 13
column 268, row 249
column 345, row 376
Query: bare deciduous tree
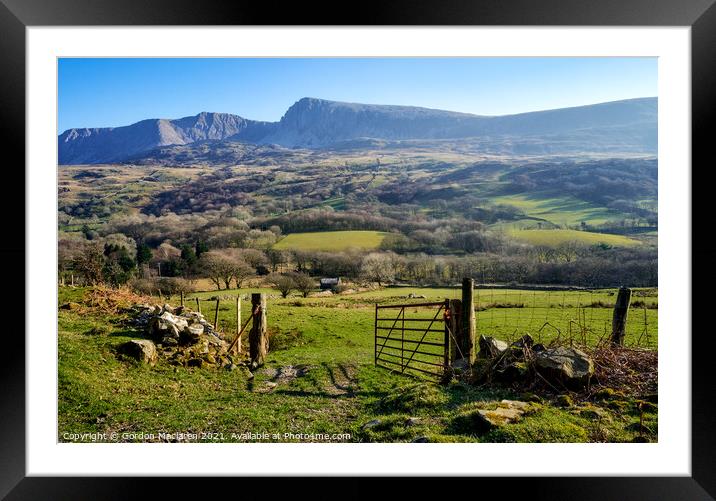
column 283, row 283
column 304, row 283
column 242, row 271
column 276, row 257
column 223, row 266
column 218, row 268
column 378, row 267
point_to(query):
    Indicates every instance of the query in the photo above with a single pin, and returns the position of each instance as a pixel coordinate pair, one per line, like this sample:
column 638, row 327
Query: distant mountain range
column 628, row 126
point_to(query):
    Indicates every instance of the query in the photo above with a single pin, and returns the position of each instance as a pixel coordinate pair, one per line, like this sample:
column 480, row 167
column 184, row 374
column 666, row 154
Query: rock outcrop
column 491, row 347
column 482, row 420
column 569, row 366
column 142, row 350
column 507, row 411
column 523, row 360
column 183, row 337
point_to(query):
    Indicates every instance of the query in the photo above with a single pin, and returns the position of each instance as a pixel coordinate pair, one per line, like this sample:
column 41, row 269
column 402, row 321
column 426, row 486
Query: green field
column 559, row 210
column 557, row 237
column 342, row 390
column 523, row 224
column 332, row 240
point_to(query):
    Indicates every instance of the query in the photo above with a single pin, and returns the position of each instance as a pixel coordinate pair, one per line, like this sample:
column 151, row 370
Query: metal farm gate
column 413, row 337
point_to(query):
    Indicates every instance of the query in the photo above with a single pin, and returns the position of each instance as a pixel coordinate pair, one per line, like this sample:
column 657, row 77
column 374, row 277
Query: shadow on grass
column 347, row 381
column 330, row 382
column 420, row 396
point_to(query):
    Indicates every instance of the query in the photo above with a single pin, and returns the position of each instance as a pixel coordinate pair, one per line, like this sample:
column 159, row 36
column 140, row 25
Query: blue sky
column 111, row 92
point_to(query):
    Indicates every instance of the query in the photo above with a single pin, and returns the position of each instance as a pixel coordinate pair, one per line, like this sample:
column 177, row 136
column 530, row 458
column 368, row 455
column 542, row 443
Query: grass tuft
column 415, row 398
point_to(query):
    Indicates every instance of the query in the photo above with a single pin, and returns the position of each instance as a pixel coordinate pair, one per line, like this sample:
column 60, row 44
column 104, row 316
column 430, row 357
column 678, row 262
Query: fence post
column 456, row 342
column 619, row 318
column 258, row 339
column 181, row 298
column 446, row 353
column 238, row 322
column 216, row 314
column 198, row 306
column 468, row 320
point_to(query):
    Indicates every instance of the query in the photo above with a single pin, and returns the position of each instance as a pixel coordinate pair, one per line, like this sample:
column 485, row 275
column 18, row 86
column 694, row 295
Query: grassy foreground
column 340, row 392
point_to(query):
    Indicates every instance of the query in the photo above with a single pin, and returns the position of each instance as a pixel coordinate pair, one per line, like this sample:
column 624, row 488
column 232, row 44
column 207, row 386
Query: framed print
column 416, row 242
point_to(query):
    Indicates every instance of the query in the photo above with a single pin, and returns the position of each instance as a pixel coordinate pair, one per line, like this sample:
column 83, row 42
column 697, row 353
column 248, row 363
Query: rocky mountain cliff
column 317, row 123
column 115, row 144
column 620, row 126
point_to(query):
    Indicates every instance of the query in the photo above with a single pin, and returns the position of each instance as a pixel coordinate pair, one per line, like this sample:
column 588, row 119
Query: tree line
column 117, row 259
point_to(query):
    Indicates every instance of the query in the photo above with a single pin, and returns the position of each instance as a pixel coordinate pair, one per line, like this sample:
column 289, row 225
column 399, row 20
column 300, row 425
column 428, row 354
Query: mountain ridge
column 625, row 125
column 109, row 144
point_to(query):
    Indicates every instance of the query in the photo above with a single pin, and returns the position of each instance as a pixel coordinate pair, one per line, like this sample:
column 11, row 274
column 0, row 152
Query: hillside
column 315, row 122
column 628, row 126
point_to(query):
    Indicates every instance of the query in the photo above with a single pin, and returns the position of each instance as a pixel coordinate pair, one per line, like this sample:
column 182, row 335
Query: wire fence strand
column 577, row 317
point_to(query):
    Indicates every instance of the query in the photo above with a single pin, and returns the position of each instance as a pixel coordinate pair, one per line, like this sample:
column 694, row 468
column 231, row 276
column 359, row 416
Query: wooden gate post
column 468, row 320
column 456, row 342
column 619, row 318
column 258, row 338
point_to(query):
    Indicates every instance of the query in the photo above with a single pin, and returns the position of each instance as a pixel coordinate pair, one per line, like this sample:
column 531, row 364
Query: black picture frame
column 700, row 15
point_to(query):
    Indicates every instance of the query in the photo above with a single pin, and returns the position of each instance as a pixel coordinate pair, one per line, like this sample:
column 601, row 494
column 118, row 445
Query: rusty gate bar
column 389, row 332
column 438, row 375
column 411, row 341
column 401, row 351
column 422, row 361
column 424, row 334
column 375, row 345
column 440, row 355
column 411, row 305
column 380, row 327
column 402, row 343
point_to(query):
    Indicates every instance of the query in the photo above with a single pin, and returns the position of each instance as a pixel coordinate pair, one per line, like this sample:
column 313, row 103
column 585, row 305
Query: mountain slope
column 616, row 127
column 316, row 123
column 114, row 144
